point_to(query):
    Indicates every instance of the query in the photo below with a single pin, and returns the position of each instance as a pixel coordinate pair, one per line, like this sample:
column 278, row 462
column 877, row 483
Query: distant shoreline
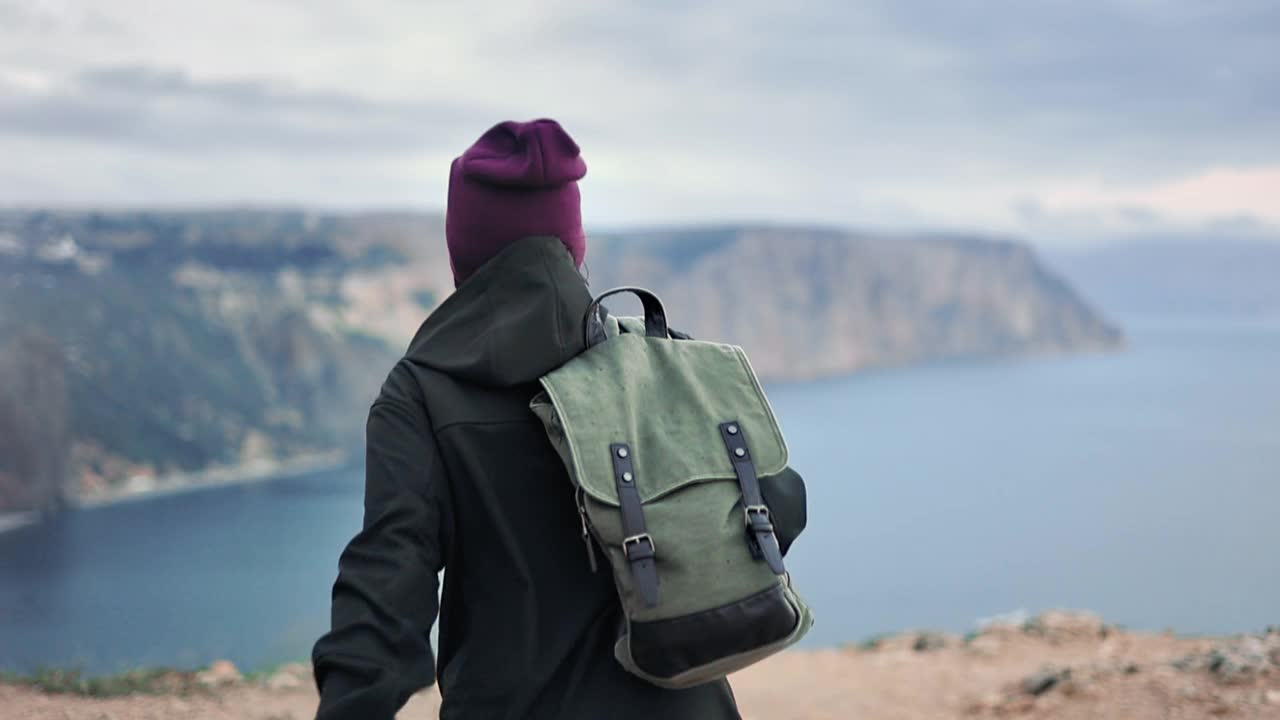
column 181, row 483
column 14, row 520
column 248, row 473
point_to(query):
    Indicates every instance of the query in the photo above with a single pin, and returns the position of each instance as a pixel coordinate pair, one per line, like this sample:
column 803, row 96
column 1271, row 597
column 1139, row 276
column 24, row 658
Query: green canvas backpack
column 665, row 441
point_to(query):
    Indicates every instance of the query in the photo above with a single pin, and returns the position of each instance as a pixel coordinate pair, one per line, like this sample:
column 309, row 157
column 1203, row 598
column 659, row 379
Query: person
column 461, row 477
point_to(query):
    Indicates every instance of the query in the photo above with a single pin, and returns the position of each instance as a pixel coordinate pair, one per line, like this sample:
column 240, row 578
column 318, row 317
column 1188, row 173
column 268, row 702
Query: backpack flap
column 667, row 400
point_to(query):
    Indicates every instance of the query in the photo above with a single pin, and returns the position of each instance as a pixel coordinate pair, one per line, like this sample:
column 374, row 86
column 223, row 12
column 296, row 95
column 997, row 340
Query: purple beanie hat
column 517, row 180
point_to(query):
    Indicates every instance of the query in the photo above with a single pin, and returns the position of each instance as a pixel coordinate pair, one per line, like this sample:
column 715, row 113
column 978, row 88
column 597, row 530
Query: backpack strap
column 760, row 535
column 655, row 317
column 637, row 544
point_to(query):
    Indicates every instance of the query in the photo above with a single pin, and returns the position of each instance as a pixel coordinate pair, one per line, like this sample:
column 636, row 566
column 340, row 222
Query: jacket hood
column 517, row 318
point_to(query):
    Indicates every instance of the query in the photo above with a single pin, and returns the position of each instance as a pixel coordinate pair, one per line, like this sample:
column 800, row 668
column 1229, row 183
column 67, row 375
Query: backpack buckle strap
column 757, row 518
column 637, row 546
column 761, row 539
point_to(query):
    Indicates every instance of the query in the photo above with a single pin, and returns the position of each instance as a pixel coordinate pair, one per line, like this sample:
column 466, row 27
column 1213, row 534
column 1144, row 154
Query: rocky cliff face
column 180, row 341
column 807, row 303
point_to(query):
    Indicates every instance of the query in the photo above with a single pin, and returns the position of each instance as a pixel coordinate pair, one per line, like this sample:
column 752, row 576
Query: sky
column 1059, row 121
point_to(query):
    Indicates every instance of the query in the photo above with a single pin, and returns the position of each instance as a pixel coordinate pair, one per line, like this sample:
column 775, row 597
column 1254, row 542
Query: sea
column 1143, row 485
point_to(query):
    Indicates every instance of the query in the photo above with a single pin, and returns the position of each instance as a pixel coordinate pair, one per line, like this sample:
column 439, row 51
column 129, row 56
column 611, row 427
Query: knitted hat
column 517, row 180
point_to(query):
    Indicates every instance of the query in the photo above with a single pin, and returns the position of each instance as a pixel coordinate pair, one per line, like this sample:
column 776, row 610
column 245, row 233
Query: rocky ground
column 1057, row 665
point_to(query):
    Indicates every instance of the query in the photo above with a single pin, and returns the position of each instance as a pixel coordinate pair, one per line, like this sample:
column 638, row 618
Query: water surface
column 1144, row 485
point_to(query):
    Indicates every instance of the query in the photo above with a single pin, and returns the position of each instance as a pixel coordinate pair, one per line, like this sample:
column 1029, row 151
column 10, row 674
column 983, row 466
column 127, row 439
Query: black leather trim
column 760, row 535
column 655, row 316
column 666, row 648
column 638, row 545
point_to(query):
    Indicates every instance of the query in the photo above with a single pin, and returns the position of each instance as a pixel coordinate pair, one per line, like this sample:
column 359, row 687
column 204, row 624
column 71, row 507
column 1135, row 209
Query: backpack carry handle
column 655, row 317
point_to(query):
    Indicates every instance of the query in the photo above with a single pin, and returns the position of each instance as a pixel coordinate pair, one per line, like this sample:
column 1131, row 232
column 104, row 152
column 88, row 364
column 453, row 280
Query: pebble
column 1057, row 625
column 927, row 641
column 283, row 680
column 221, row 672
column 985, row 645
column 1042, row 682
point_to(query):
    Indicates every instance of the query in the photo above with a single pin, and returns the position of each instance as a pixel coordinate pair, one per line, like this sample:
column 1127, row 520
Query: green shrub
column 73, row 682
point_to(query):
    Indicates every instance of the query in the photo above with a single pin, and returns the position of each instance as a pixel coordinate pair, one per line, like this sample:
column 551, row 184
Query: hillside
column 142, row 344
column 808, row 303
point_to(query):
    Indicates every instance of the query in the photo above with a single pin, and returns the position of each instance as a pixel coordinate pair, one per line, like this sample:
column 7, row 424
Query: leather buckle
column 751, row 512
column 634, row 541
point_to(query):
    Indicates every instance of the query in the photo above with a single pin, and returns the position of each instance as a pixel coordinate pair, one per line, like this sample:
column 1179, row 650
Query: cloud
column 874, row 112
column 168, row 109
column 1217, row 192
column 45, row 18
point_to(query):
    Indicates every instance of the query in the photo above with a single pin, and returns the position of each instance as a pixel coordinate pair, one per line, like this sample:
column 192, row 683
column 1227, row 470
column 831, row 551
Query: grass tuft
column 874, row 642
column 74, row 682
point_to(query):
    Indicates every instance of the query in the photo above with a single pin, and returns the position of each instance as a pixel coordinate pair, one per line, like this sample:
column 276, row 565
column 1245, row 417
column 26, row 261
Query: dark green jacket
column 460, row 476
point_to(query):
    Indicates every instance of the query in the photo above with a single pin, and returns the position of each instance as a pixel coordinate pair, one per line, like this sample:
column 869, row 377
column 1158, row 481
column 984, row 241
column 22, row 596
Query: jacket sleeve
column 784, row 493
column 378, row 651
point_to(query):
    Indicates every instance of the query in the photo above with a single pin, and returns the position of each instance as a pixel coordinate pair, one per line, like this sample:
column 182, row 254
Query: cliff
column 137, row 344
column 807, row 303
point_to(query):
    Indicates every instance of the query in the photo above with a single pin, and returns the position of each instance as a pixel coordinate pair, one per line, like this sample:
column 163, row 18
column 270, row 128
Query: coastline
column 142, row 489
column 14, row 520
column 248, row 473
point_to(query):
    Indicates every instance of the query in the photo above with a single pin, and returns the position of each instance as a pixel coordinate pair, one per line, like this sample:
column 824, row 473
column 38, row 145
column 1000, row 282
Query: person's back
column 460, row 476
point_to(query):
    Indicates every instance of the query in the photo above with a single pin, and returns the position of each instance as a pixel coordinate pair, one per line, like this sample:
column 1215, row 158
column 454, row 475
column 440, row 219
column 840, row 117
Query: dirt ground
column 1058, row 665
